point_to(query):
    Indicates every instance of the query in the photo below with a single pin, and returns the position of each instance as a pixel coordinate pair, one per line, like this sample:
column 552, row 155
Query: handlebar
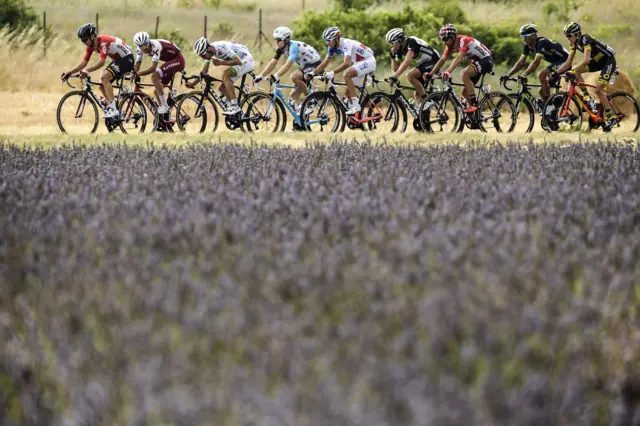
column 77, row 75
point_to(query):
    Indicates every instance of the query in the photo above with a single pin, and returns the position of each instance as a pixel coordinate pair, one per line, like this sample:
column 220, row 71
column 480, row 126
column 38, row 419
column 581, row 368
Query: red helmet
column 447, row 32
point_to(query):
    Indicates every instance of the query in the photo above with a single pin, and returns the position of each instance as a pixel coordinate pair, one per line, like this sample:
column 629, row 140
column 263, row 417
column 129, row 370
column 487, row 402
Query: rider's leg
column 107, row 88
column 469, row 91
column 544, row 82
column 578, row 72
column 350, row 92
column 415, row 78
column 156, row 79
column 301, row 86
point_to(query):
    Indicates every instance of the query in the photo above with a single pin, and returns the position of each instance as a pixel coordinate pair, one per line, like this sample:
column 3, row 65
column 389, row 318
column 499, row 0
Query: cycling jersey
column 300, row 53
column 551, row 51
column 599, row 50
column 160, row 50
column 422, row 52
column 113, row 47
column 469, row 46
column 227, row 50
column 354, row 49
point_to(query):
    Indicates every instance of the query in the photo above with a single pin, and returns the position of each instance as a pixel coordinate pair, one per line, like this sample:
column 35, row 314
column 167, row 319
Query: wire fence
column 260, row 36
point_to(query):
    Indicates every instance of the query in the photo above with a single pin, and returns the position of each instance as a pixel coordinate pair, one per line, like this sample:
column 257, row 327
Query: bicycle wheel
column 496, row 112
column 626, row 110
column 382, row 113
column 77, row 113
column 194, row 112
column 439, row 112
column 321, row 112
column 561, row 114
column 283, row 114
column 525, row 113
column 135, row 111
column 401, row 110
column 260, row 114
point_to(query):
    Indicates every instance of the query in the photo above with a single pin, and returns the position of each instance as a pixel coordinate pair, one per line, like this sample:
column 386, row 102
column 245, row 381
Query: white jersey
column 352, row 48
column 226, row 50
column 300, row 53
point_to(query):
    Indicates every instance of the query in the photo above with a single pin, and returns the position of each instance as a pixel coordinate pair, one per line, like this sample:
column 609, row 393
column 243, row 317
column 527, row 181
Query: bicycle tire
column 497, row 99
column 528, row 111
column 550, row 115
column 434, row 105
column 184, row 114
column 145, row 106
column 618, row 111
column 96, row 121
column 319, row 101
column 252, row 115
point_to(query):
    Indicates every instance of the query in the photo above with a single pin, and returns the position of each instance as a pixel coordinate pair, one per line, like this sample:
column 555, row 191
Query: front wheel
column 496, row 112
column 525, row 113
column 381, row 113
column 439, row 112
column 260, row 114
column 626, row 111
column 194, row 111
column 322, row 112
column 135, row 111
column 77, row 113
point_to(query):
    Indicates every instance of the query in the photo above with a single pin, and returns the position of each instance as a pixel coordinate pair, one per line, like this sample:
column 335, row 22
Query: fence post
column 205, row 26
column 44, row 31
column 260, row 31
column 157, row 24
column 302, row 4
column 97, row 23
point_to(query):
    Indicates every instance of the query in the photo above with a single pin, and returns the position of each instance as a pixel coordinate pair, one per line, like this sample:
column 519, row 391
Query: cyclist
column 358, row 61
column 598, row 56
column 159, row 50
column 301, row 53
column 412, row 49
column 541, row 48
column 481, row 62
column 225, row 53
column 117, row 50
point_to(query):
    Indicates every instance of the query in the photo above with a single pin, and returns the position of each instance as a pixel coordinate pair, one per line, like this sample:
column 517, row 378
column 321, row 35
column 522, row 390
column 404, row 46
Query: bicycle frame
column 88, row 92
column 398, row 96
column 571, row 92
column 355, row 120
column 209, row 91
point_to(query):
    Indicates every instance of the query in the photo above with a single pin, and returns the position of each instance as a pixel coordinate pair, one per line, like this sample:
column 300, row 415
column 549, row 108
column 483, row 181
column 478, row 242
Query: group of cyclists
column 408, row 54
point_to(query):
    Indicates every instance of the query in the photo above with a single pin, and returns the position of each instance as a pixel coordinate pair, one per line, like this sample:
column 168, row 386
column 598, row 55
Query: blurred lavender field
column 340, row 284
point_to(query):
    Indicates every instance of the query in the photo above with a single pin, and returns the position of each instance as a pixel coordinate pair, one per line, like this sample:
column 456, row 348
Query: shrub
column 176, row 37
column 16, row 14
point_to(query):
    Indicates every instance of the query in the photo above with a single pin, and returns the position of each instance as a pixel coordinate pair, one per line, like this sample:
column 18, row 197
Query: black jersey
column 551, row 51
column 422, row 52
column 599, row 50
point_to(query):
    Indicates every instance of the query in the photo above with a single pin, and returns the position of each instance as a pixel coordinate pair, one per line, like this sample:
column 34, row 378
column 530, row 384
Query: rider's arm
column 235, row 60
column 516, row 67
column 205, row 67
column 97, row 65
column 80, row 66
column 150, row 70
column 587, row 57
column 285, row 67
column 568, row 62
column 270, row 66
column 455, row 62
column 322, row 65
column 344, row 65
column 394, row 65
column 533, row 65
column 440, row 62
column 405, row 64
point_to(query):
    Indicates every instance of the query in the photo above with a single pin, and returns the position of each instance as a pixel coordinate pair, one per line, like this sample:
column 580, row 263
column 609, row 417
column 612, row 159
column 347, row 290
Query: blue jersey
column 300, row 53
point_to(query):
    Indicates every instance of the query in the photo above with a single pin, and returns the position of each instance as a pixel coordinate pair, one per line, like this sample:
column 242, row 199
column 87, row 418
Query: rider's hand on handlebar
column 64, row 76
column 393, row 79
column 446, row 75
column 328, row 76
column 84, row 73
column 504, row 79
column 258, row 79
column 275, row 78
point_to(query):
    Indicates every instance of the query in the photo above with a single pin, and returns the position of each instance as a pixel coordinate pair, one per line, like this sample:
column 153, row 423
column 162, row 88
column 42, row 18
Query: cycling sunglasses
column 279, row 39
column 84, row 40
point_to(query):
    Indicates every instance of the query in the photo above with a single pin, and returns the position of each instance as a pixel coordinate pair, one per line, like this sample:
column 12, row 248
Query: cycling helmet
column 572, row 28
column 86, row 31
column 330, row 34
column 283, row 33
column 447, row 32
column 528, row 29
column 141, row 38
column 394, row 35
column 201, row 46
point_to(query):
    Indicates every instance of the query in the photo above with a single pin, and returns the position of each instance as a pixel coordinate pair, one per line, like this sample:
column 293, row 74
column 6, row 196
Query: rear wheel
column 382, row 113
column 260, row 114
column 496, row 112
column 321, row 112
column 561, row 114
column 439, row 112
column 194, row 112
column 135, row 111
column 77, row 113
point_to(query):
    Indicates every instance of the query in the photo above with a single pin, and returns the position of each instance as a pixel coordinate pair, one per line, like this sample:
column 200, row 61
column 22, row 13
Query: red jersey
column 469, row 46
column 113, row 47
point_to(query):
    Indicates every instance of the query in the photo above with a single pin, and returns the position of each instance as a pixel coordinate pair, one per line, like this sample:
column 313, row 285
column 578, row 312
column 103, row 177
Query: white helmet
column 283, row 33
column 141, row 38
column 201, row 46
column 395, row 34
column 330, row 34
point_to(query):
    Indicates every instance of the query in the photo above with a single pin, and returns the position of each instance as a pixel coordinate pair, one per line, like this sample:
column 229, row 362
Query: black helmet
column 86, row 31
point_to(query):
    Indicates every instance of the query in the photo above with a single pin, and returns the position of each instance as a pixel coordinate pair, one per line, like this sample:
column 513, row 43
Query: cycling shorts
column 167, row 70
column 483, row 66
column 245, row 67
column 606, row 66
column 120, row 67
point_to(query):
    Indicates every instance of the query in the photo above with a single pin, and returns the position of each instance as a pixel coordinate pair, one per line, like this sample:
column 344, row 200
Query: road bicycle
column 326, row 106
column 444, row 111
column 526, row 104
column 565, row 111
column 77, row 111
column 199, row 108
column 284, row 105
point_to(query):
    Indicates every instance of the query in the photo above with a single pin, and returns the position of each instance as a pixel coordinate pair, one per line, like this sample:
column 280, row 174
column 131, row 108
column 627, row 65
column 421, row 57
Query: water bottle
column 595, row 106
column 486, row 88
column 103, row 102
column 174, row 92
